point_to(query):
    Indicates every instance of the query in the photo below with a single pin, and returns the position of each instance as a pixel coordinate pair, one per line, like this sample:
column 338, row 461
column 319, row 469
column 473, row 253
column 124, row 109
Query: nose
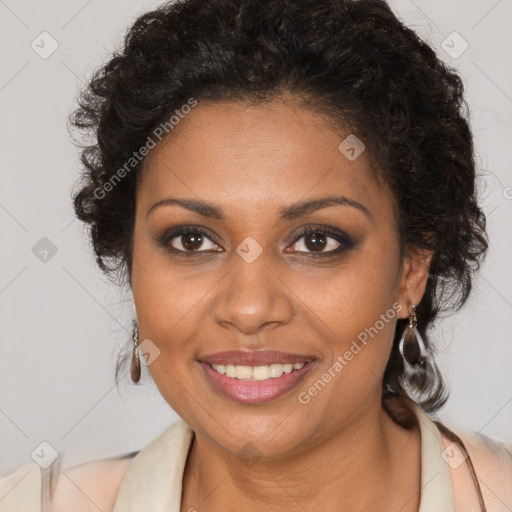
column 252, row 297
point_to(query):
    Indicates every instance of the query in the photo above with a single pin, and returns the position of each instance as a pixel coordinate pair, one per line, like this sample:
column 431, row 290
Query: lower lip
column 255, row 391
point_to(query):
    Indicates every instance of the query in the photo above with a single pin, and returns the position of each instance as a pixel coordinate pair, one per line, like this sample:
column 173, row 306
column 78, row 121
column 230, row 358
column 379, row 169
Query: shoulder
column 20, row 490
column 492, row 462
column 93, row 485
column 90, row 486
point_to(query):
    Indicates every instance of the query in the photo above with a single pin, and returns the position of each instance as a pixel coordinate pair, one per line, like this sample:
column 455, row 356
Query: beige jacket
column 446, row 482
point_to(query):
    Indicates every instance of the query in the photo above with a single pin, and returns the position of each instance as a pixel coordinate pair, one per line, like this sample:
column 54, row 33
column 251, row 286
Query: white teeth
column 263, row 372
column 276, row 370
column 243, row 372
column 287, row 368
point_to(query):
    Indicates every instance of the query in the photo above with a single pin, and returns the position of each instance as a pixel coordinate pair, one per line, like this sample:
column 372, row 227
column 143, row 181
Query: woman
column 288, row 188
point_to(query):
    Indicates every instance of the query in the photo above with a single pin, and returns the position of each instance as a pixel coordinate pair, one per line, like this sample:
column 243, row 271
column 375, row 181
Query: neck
column 370, row 464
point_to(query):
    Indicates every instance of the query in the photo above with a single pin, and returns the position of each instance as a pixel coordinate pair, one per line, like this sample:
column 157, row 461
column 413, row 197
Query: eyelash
column 344, row 240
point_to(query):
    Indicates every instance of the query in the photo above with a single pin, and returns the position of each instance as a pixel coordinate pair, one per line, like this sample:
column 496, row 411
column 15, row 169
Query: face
column 245, row 277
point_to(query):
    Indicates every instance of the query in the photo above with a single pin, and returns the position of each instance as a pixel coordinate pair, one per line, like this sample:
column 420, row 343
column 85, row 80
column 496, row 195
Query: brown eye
column 320, row 241
column 192, row 241
column 189, row 241
column 315, row 242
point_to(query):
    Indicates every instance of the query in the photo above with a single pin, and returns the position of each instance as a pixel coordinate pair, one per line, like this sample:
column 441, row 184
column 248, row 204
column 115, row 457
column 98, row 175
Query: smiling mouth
column 256, row 384
column 257, row 373
column 255, row 376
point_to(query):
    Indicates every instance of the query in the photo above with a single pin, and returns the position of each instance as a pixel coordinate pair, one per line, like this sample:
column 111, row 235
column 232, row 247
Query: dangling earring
column 411, row 346
column 135, row 365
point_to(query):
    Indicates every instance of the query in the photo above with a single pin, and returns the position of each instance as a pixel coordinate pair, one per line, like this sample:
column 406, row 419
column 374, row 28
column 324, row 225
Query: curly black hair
column 351, row 61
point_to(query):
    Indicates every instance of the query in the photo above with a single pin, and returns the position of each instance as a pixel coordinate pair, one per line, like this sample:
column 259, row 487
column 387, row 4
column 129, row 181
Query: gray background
column 63, row 324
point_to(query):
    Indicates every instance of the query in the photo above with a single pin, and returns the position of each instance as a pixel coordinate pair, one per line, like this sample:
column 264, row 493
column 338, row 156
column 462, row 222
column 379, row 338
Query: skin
column 341, row 449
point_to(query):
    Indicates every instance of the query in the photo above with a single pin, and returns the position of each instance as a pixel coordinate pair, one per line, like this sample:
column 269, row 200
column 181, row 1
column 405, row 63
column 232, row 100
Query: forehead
column 256, row 156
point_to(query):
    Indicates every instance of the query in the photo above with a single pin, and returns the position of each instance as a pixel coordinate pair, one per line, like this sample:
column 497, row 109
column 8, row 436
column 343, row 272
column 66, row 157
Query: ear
column 413, row 280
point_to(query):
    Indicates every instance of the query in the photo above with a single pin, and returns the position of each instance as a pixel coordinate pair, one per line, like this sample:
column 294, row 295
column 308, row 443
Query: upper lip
column 253, row 357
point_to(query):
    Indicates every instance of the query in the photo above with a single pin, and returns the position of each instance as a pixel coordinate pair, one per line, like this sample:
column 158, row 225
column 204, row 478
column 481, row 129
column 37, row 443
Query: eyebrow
column 289, row 212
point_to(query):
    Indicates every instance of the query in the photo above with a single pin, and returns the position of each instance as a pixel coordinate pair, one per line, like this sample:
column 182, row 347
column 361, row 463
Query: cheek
column 167, row 297
column 172, row 304
column 353, row 297
column 167, row 306
column 357, row 311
